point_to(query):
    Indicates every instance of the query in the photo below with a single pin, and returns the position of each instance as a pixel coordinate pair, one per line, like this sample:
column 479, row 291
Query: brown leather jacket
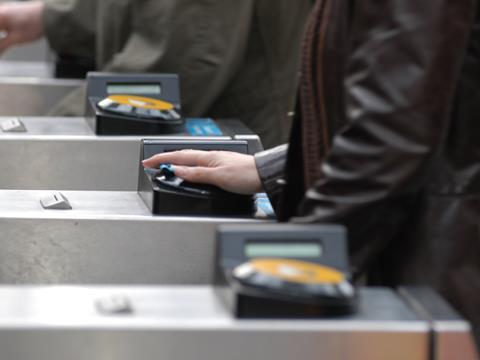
column 397, row 93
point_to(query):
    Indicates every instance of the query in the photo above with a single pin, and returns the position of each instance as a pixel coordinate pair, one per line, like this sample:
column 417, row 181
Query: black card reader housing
column 251, row 302
column 163, row 200
column 107, row 123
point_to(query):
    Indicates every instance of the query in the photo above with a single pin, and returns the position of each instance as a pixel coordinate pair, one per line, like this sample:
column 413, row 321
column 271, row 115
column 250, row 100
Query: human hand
column 20, row 22
column 230, row 171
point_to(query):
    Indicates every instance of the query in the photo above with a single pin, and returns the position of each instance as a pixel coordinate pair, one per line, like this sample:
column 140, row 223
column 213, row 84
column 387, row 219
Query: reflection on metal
column 64, row 153
column 37, row 51
column 32, row 96
column 78, row 161
column 451, row 334
column 108, row 238
column 189, row 323
column 25, row 69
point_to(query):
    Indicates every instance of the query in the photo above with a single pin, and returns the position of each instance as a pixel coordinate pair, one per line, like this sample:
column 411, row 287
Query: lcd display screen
column 306, row 250
column 134, row 89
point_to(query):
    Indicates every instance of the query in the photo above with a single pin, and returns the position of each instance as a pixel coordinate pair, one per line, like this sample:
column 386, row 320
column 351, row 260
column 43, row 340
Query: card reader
column 166, row 194
column 283, row 271
column 133, row 104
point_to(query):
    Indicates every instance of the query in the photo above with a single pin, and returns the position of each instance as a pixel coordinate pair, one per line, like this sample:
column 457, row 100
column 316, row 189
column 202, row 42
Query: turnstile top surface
column 189, row 323
column 96, row 205
column 183, row 307
column 85, row 204
column 36, row 69
column 74, row 126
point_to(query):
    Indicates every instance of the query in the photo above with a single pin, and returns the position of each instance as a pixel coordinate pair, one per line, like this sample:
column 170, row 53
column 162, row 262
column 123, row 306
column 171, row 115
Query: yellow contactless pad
column 141, row 102
column 298, row 271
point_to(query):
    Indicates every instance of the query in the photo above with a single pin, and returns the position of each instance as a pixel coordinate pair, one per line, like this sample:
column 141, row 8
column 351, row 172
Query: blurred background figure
column 235, row 59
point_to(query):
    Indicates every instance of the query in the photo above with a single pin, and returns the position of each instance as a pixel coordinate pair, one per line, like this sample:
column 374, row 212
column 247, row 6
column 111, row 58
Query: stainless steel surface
column 77, row 161
column 36, row 51
column 32, row 96
column 38, row 127
column 28, row 69
column 254, row 143
column 73, row 163
column 65, row 154
column 108, row 238
column 451, row 333
column 188, row 323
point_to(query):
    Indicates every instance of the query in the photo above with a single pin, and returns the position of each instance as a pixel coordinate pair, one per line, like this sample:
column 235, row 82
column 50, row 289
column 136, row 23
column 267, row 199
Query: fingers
column 5, row 39
column 182, row 157
column 3, row 17
column 202, row 175
column 20, row 22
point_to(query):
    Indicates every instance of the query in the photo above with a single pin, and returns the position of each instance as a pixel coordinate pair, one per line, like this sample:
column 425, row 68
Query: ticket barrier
column 100, row 237
column 64, row 153
column 106, row 238
column 197, row 322
column 94, row 152
column 191, row 323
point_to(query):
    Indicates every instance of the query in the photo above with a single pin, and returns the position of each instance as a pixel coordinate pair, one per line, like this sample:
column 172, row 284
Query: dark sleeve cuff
column 271, row 168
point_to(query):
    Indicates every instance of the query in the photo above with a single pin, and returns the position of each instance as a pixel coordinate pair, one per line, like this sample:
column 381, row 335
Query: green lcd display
column 134, row 89
column 303, row 250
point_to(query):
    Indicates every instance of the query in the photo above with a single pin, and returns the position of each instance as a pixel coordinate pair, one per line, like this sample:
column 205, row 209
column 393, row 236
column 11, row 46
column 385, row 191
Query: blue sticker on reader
column 263, row 206
column 202, row 127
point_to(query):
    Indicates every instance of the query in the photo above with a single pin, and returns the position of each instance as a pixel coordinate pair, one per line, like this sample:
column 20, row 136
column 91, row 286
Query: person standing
column 386, row 142
column 235, row 59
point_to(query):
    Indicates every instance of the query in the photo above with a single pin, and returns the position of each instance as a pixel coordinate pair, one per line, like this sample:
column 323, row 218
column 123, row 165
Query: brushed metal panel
column 187, row 323
column 33, row 96
column 69, row 162
column 108, row 238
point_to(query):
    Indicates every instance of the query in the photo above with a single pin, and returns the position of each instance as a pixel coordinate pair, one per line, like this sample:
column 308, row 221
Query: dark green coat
column 236, row 58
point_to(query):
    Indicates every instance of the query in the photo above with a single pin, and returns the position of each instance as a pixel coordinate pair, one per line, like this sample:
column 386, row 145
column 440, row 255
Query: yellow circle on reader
column 298, row 271
column 141, row 102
